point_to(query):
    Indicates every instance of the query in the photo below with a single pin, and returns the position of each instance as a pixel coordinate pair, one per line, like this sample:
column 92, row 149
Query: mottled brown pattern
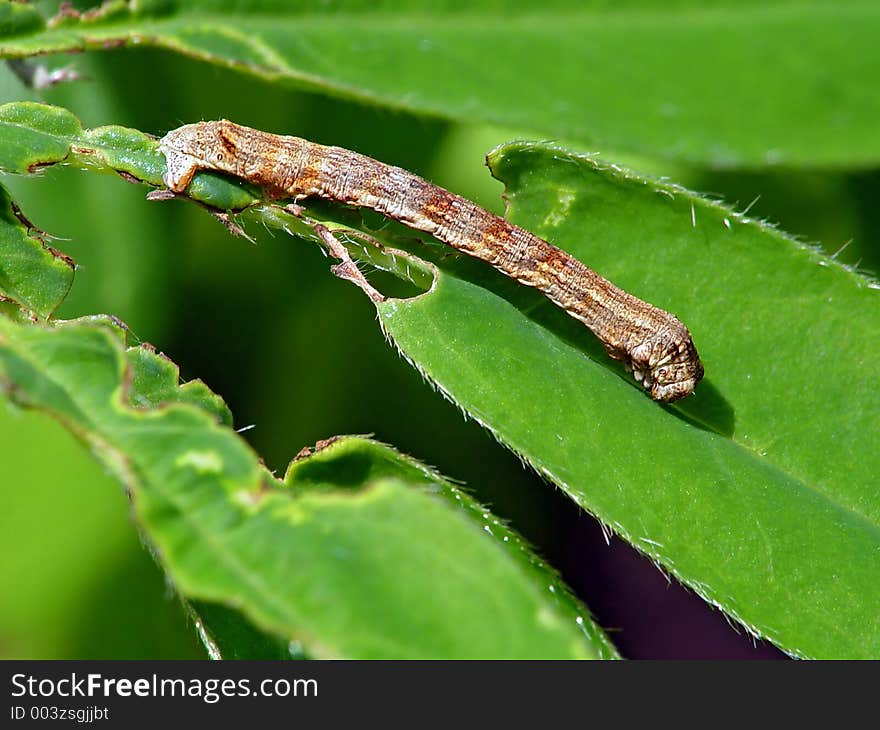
column 652, row 343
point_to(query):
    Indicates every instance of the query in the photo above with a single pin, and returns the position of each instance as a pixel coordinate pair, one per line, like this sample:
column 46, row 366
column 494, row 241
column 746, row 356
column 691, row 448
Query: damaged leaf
column 360, row 553
column 32, row 273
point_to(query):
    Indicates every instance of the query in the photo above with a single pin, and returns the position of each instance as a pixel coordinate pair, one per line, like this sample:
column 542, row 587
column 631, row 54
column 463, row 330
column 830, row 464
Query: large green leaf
column 715, row 84
column 761, row 491
column 361, row 553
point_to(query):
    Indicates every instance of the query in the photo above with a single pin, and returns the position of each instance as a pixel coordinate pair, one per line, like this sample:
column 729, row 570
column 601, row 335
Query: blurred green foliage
column 76, row 581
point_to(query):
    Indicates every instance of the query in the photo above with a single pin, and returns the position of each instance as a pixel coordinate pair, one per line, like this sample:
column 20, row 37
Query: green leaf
column 714, row 84
column 34, row 135
column 398, row 564
column 155, row 381
column 32, row 274
column 761, row 491
column 17, row 19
